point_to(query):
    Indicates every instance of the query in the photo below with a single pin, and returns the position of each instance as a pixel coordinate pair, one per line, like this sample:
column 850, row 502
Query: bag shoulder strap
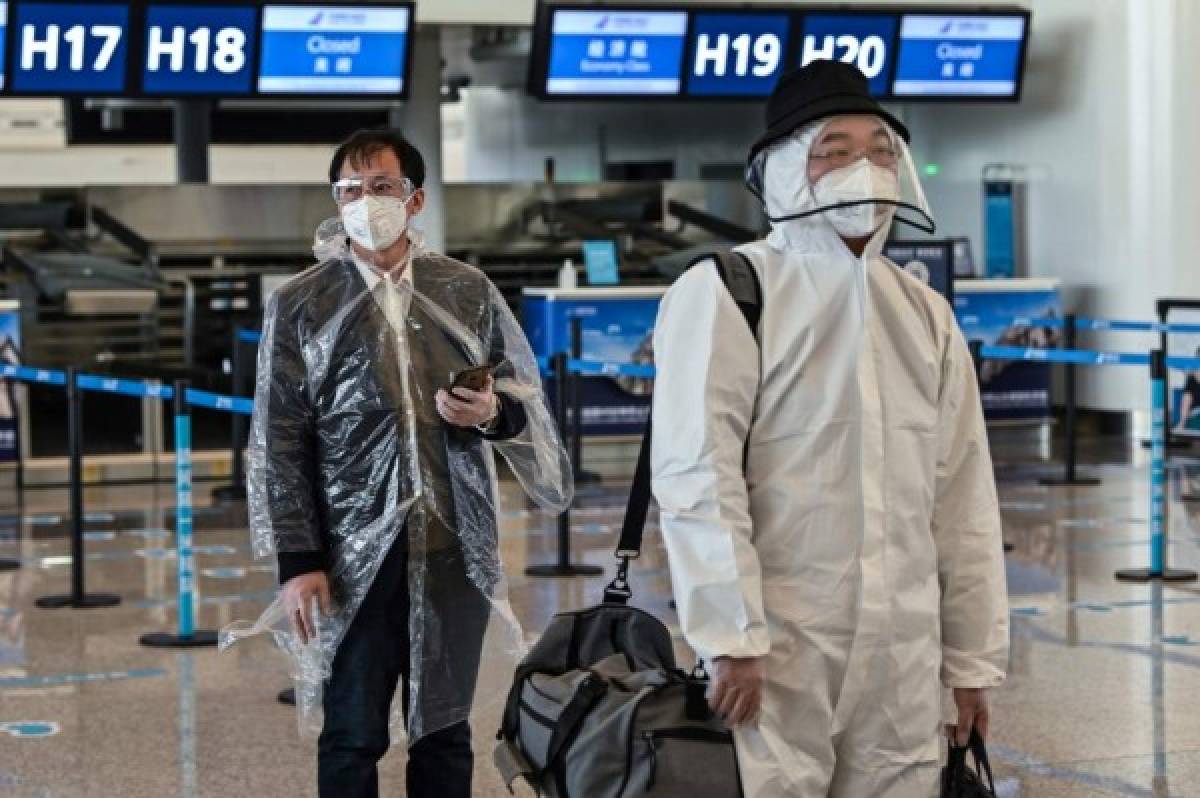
column 740, row 278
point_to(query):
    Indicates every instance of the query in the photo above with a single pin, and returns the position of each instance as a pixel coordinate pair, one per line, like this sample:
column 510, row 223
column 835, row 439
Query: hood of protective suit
column 348, row 457
column 806, row 217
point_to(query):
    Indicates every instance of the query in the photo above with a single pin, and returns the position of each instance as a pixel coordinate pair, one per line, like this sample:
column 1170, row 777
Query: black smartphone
column 473, row 379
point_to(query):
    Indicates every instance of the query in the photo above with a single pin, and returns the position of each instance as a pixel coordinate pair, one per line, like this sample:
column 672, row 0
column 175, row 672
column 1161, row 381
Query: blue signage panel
column 736, row 54
column 62, row 48
column 967, row 56
column 999, row 212
column 199, row 49
column 333, row 49
column 600, row 260
column 616, row 52
column 865, row 41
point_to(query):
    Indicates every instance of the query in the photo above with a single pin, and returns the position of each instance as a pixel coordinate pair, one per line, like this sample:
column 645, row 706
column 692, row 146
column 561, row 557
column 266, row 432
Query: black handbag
column 959, row 780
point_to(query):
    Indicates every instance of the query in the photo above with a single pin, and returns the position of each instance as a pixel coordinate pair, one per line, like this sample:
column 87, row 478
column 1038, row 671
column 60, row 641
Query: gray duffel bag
column 625, row 725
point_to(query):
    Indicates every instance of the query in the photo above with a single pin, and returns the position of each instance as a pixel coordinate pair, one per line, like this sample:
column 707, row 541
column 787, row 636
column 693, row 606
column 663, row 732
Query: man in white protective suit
column 828, row 502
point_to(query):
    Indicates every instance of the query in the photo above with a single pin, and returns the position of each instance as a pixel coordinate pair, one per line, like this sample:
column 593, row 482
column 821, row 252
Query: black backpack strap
column 739, row 276
column 737, row 272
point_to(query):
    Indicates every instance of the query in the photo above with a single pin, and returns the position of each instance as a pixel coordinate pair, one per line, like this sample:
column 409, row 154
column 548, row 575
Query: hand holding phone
column 469, row 401
column 473, row 379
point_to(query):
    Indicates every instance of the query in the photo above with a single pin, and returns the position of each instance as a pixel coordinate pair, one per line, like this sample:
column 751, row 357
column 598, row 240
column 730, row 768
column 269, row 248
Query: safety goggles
column 355, row 187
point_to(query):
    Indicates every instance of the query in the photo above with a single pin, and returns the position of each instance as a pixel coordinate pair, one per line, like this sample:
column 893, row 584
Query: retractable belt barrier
column 150, row 389
column 600, row 368
column 970, row 320
column 1082, row 357
column 1071, row 325
column 76, row 384
column 572, row 368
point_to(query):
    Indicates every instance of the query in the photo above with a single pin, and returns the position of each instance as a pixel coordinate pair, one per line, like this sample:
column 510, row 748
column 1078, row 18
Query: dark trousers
column 372, row 658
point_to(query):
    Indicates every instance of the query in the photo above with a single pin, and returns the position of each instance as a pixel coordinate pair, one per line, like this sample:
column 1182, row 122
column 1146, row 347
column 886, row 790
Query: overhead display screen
column 199, row 49
column 964, row 56
column 333, row 49
column 616, row 53
column 737, row 54
column 864, row 40
column 734, row 52
column 62, row 49
column 213, row 48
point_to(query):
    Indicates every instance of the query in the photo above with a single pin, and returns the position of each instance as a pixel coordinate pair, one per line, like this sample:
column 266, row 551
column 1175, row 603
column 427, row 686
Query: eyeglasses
column 352, row 188
column 838, row 156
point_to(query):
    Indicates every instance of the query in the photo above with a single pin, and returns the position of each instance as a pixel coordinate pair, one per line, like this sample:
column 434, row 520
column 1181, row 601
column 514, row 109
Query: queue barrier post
column 236, row 490
column 576, row 416
column 1159, row 527
column 563, row 566
column 1069, row 477
column 186, row 636
column 78, row 598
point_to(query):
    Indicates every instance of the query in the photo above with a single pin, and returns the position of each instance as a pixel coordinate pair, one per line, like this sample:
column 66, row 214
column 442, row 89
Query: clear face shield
column 346, row 386
column 853, row 170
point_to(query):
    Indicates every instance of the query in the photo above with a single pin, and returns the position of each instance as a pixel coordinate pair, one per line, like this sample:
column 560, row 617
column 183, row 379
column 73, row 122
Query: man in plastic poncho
column 371, row 474
column 828, row 503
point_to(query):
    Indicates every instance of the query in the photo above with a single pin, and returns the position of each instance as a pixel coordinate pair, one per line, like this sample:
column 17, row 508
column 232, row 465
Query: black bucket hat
column 817, row 91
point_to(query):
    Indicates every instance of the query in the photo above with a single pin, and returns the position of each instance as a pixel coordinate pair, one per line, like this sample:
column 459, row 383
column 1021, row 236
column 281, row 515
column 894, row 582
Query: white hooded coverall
column 860, row 549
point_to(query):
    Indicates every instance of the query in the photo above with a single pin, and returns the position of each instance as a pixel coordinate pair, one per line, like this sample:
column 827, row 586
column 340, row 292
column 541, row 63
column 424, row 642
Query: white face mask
column 861, row 181
column 375, row 223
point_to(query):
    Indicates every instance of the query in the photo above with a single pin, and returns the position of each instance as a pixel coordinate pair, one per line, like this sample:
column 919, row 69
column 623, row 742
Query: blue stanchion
column 187, row 636
column 29, row 374
column 607, row 369
column 1158, row 569
column 183, row 524
column 216, row 401
column 249, row 336
column 139, row 388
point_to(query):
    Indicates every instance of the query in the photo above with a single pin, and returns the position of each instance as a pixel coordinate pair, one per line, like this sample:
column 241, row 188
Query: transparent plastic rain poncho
column 778, row 176
column 347, row 452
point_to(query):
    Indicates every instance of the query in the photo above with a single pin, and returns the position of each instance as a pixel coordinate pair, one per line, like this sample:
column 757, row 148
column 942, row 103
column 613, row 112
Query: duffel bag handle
column 573, row 713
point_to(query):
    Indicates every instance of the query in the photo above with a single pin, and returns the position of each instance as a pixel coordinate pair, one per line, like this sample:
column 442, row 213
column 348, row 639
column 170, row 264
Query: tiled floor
column 1102, row 698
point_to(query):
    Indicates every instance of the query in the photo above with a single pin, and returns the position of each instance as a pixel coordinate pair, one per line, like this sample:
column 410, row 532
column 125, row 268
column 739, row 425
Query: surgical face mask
column 862, row 182
column 375, row 223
